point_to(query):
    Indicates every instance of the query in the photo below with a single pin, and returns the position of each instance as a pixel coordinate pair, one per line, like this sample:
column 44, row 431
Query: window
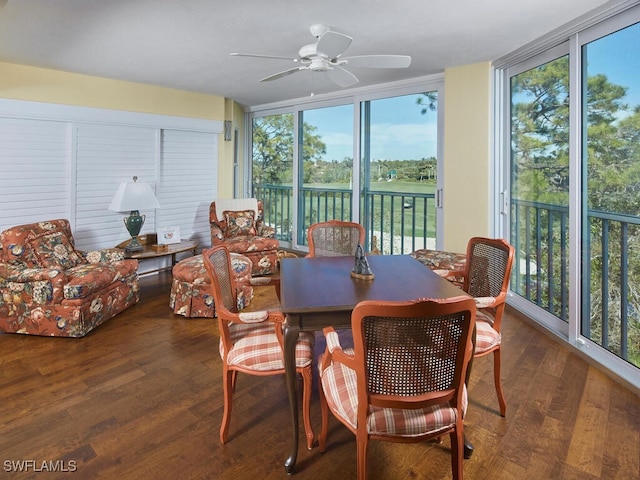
column 611, row 194
column 305, row 158
column 399, row 171
column 272, row 170
column 571, row 159
column 539, row 194
column 326, row 167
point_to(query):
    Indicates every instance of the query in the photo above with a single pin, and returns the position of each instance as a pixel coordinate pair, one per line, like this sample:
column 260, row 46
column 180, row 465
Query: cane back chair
column 403, row 381
column 252, row 342
column 486, row 278
column 334, row 238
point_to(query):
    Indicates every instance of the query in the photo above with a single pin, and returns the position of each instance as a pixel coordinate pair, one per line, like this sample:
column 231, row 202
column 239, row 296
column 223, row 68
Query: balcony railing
column 401, row 222
column 404, row 222
column 610, row 300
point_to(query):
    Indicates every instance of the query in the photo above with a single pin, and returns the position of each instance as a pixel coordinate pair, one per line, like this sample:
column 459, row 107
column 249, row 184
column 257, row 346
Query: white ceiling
column 185, row 44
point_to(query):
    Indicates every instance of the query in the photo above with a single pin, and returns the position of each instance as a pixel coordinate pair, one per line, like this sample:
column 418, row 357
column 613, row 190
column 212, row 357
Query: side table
column 151, row 250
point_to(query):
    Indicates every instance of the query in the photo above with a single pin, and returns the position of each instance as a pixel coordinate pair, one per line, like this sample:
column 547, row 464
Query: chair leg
column 233, row 380
column 307, row 380
column 362, row 445
column 457, row 446
column 496, row 379
column 324, row 410
column 228, row 384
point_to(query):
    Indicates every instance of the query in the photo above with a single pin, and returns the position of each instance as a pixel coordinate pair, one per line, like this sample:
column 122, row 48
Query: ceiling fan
column 325, row 55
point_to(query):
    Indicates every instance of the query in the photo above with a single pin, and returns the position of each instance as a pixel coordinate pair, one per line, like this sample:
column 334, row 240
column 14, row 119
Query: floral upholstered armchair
column 238, row 224
column 49, row 288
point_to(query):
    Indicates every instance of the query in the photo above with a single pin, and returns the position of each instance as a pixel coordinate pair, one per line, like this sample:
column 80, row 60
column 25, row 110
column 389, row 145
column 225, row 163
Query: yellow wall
column 235, row 114
column 19, row 82
column 467, row 110
column 467, row 127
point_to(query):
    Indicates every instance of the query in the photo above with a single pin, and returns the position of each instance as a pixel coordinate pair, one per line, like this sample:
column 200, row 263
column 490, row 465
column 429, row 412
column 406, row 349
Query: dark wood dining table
column 319, row 291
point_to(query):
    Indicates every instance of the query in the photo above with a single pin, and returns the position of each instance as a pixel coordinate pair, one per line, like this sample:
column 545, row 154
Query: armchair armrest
column 104, row 255
column 486, row 302
column 33, row 286
column 332, row 339
column 334, row 350
column 253, row 317
column 266, row 231
column 217, row 234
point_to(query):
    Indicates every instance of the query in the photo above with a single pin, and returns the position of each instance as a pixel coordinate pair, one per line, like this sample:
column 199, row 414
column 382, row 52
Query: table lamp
column 133, row 197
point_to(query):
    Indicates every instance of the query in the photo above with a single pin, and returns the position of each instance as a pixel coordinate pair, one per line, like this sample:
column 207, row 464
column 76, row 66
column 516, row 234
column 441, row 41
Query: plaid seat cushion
column 339, row 386
column 486, row 336
column 256, row 347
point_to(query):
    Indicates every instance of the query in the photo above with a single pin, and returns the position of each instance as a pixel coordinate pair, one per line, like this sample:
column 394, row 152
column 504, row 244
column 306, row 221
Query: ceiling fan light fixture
column 318, row 65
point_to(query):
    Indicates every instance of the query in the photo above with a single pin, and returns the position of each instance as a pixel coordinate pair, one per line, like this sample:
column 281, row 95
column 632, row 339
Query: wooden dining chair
column 404, row 378
column 486, row 278
column 334, row 238
column 252, row 342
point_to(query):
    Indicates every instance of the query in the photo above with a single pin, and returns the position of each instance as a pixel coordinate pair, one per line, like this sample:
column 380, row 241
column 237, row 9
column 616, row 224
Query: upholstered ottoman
column 443, row 263
column 191, row 287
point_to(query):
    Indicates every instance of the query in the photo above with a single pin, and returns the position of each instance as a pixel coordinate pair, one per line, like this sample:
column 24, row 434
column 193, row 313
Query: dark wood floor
column 140, row 398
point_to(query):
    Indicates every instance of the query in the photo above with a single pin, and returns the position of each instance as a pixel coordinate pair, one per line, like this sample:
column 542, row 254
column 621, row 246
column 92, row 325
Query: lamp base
column 134, row 224
column 134, row 246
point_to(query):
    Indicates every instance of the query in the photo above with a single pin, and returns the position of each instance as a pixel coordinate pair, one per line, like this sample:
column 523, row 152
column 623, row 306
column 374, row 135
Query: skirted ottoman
column 191, row 287
column 443, row 263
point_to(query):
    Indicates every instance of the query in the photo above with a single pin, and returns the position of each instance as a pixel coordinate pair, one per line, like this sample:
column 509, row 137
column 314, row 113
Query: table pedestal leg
column 291, row 331
column 468, row 446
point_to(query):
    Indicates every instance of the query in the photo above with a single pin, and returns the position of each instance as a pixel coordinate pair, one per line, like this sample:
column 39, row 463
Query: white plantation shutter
column 188, row 182
column 59, row 161
column 34, row 171
column 106, row 156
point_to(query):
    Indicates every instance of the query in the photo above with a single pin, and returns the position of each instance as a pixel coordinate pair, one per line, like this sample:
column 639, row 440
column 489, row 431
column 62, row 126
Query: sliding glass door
column 372, row 160
column 399, row 171
column 325, row 159
column 611, row 193
column 540, row 181
column 272, row 170
column 573, row 183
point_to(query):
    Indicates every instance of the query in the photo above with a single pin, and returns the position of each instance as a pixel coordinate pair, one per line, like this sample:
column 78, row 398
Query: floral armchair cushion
column 239, row 206
column 47, row 287
column 449, row 265
column 240, row 223
column 55, row 250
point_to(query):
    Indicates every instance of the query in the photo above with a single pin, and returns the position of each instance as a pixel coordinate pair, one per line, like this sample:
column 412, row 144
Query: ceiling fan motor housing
column 308, row 52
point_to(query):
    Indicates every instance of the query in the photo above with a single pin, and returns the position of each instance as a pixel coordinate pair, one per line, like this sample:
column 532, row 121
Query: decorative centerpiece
column 361, row 269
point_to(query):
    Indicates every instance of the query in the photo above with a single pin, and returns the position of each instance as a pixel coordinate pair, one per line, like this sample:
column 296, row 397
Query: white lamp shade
column 134, row 196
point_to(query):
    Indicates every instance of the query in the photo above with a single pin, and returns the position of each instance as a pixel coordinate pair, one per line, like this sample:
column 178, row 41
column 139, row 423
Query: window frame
column 355, row 97
column 601, row 23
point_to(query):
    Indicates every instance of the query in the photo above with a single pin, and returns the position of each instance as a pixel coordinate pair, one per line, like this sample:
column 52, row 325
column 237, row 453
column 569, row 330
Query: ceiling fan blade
column 342, row 77
column 378, row 61
column 257, row 55
column 278, row 75
column 333, row 44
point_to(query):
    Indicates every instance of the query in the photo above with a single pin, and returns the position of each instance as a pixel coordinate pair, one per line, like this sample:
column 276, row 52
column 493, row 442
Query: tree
column 273, row 149
column 540, row 174
column 428, row 101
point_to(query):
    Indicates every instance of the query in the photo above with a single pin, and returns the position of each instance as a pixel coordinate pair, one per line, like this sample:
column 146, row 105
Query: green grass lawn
column 387, row 213
column 333, row 200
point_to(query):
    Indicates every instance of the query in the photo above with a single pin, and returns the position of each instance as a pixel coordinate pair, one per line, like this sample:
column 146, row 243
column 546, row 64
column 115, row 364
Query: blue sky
column 616, row 56
column 399, row 130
